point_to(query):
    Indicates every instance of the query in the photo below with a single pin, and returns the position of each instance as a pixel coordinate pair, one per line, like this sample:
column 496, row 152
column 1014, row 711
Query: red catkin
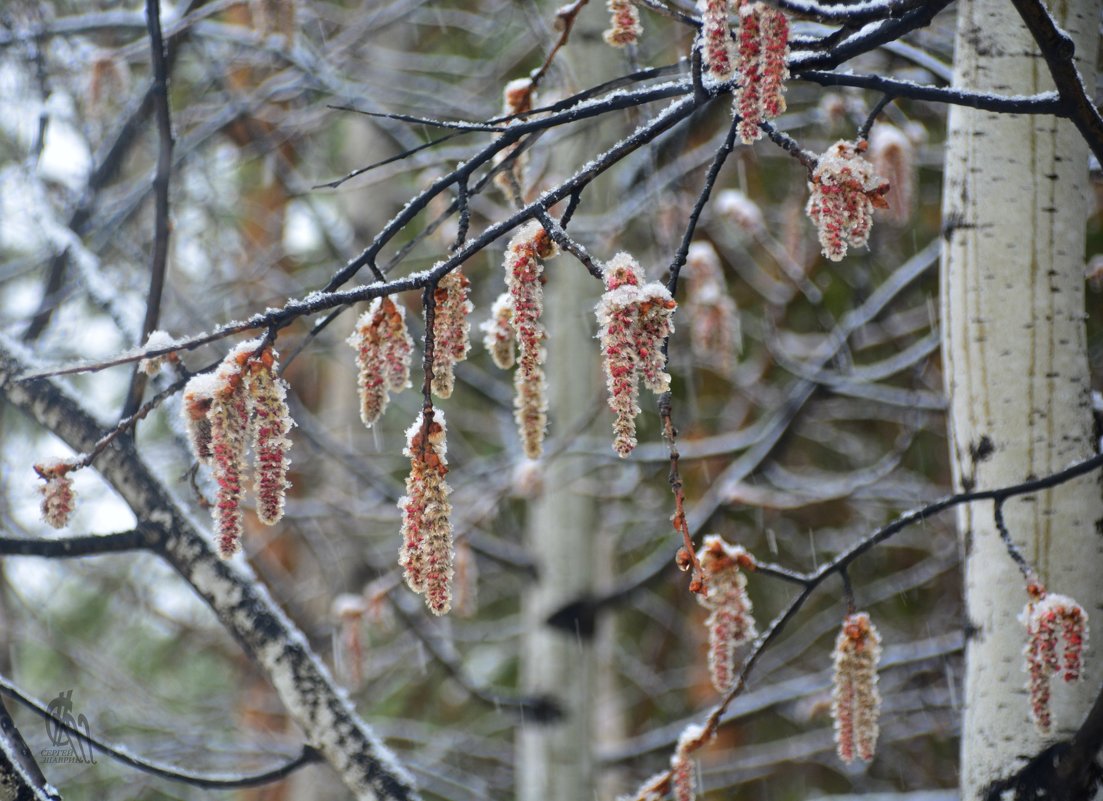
column 451, row 330
column 58, row 497
column 624, row 24
column 731, row 621
column 1050, row 618
column 842, row 195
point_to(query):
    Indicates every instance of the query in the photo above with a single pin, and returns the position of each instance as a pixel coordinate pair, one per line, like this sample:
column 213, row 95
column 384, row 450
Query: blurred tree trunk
column 1016, row 368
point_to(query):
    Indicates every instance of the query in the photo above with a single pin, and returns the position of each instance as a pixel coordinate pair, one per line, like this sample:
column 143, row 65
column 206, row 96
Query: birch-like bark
column 1014, row 207
column 242, row 604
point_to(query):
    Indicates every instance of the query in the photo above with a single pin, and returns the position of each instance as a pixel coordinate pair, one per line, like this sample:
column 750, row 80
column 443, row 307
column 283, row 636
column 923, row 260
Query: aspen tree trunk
column 555, row 762
column 1014, row 210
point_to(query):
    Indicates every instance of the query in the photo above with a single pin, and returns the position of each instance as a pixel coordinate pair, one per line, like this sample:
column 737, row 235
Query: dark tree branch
column 74, row 547
column 159, row 259
column 307, row 756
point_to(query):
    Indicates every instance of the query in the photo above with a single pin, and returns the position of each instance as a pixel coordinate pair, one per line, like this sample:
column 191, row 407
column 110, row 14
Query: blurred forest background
column 829, row 422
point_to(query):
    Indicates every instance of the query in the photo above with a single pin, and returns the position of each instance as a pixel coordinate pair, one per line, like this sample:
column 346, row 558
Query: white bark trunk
column 1016, row 372
column 555, row 761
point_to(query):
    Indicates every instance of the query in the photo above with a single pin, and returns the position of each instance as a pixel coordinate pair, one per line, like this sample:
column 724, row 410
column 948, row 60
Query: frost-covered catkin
column 229, row 423
column 761, row 59
column 157, row 340
column 624, row 24
column 715, row 333
column 741, row 210
column 269, row 423
column 1050, row 618
column 633, row 320
column 427, row 555
column 731, row 620
column 843, row 193
column 716, row 39
column 383, row 351
column 451, row 330
column 58, row 497
column 499, row 338
column 683, row 781
column 855, row 702
column 524, row 282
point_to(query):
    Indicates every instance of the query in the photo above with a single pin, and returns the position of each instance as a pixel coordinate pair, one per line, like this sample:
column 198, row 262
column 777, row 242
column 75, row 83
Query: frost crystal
column 633, row 321
column 451, row 330
column 730, row 622
column 524, row 282
column 844, row 191
column 624, row 24
column 855, row 702
column 1049, row 618
column 58, row 496
column 383, row 350
column 426, row 555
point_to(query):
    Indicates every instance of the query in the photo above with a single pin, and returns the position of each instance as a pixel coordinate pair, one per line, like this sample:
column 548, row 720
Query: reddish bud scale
column 451, row 330
column 855, row 702
column 1049, row 618
column 427, row 555
column 383, row 351
column 624, row 24
column 58, row 497
column 716, row 39
column 843, row 192
column 633, row 321
column 499, row 338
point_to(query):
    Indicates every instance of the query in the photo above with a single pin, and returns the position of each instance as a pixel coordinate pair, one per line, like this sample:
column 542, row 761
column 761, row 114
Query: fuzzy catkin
column 624, row 24
column 1050, row 618
column 268, row 426
column 451, row 330
column 427, row 551
column 731, row 619
column 855, row 701
column 842, row 195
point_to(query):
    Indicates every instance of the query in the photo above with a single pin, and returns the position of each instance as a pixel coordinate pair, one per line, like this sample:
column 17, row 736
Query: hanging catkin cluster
column 843, row 193
column 730, row 622
column 714, row 333
column 633, row 321
column 1048, row 618
column 383, row 350
column 761, row 61
column 451, row 330
column 242, row 404
column 57, row 493
column 855, row 702
column 525, row 287
column 624, row 24
column 427, row 554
